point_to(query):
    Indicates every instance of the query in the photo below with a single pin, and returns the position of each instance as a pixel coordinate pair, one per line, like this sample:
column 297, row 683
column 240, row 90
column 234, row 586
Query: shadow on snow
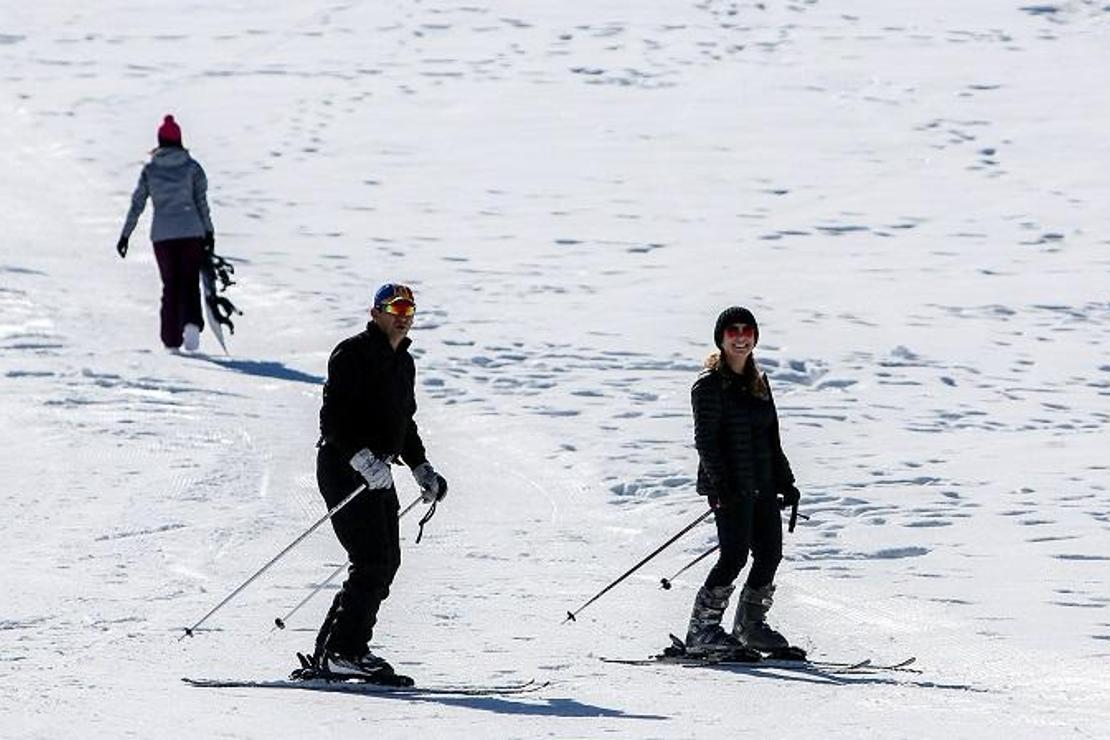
column 535, row 708
column 262, row 369
column 816, row 675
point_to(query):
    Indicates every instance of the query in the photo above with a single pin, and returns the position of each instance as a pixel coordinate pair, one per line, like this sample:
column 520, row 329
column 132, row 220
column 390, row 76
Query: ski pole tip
column 665, row 584
column 570, row 618
column 280, row 624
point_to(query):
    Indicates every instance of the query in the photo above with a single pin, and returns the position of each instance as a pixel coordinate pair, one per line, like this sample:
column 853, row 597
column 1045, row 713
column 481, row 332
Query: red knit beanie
column 169, row 132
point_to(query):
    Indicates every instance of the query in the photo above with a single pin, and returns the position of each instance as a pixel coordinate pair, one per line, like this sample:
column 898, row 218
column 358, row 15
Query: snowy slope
column 911, row 200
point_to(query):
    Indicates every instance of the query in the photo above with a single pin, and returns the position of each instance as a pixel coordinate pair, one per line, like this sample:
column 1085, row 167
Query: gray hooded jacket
column 177, row 185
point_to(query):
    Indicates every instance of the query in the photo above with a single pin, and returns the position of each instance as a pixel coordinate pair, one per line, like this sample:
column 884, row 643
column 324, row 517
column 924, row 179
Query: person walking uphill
column 747, row 479
column 366, row 422
column 181, row 231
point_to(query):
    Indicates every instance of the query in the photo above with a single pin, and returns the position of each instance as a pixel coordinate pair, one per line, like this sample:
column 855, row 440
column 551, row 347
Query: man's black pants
column 367, row 529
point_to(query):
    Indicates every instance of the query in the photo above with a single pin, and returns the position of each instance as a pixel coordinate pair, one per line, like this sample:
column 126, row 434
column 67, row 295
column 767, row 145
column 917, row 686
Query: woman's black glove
column 790, row 497
column 121, row 247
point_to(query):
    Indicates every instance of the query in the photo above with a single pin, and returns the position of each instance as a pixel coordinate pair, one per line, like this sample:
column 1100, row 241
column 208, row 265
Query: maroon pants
column 179, row 263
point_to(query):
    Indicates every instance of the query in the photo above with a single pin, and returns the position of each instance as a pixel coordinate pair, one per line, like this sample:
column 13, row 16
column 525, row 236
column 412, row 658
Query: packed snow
column 912, row 200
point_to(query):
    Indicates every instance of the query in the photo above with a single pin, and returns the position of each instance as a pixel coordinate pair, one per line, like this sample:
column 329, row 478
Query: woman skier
column 181, row 231
column 747, row 479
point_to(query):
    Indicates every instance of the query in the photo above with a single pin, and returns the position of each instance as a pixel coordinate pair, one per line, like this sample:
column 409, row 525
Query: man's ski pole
column 666, row 582
column 571, row 615
column 279, row 622
column 275, row 558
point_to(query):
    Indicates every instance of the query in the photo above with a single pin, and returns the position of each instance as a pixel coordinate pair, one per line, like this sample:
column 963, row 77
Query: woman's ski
column 790, row 657
column 860, row 666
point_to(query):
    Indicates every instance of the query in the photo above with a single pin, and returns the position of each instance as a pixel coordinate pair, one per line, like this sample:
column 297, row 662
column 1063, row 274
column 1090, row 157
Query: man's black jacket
column 369, row 398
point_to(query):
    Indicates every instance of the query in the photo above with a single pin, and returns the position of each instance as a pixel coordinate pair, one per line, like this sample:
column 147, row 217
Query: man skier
column 366, row 423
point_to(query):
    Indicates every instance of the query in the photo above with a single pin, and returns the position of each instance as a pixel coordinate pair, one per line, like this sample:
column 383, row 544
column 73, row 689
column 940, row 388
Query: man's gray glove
column 433, row 487
column 372, row 468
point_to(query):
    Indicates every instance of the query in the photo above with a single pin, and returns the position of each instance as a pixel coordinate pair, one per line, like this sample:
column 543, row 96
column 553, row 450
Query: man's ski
column 355, row 686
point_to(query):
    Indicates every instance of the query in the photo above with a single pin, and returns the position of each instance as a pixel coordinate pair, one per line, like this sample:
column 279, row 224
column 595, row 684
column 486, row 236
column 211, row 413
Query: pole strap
column 425, row 519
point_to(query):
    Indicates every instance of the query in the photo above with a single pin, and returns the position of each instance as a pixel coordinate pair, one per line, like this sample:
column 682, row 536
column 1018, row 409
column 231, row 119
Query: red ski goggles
column 740, row 331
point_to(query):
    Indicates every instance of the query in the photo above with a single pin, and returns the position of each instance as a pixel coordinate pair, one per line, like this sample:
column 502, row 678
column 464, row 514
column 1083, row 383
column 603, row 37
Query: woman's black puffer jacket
column 737, row 437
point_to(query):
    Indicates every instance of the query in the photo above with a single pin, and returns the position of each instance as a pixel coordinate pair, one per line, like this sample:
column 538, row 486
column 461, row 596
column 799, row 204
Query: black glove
column 209, row 241
column 790, row 497
column 121, row 247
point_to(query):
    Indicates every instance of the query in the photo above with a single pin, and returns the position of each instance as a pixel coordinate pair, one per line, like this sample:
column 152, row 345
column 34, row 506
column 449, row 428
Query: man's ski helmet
column 391, row 292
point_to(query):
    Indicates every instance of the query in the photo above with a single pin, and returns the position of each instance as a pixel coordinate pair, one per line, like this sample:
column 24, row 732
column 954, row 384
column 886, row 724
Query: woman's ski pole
column 331, row 512
column 571, row 615
column 666, row 582
column 279, row 622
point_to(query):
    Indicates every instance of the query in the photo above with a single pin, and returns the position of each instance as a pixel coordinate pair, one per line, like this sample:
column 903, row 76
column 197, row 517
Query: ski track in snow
column 911, row 201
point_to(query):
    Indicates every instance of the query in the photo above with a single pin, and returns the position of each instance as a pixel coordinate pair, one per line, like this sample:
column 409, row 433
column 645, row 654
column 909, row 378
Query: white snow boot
column 191, row 337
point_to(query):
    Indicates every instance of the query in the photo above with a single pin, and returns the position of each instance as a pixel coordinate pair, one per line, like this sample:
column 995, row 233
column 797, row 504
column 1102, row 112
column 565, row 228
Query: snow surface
column 911, row 198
